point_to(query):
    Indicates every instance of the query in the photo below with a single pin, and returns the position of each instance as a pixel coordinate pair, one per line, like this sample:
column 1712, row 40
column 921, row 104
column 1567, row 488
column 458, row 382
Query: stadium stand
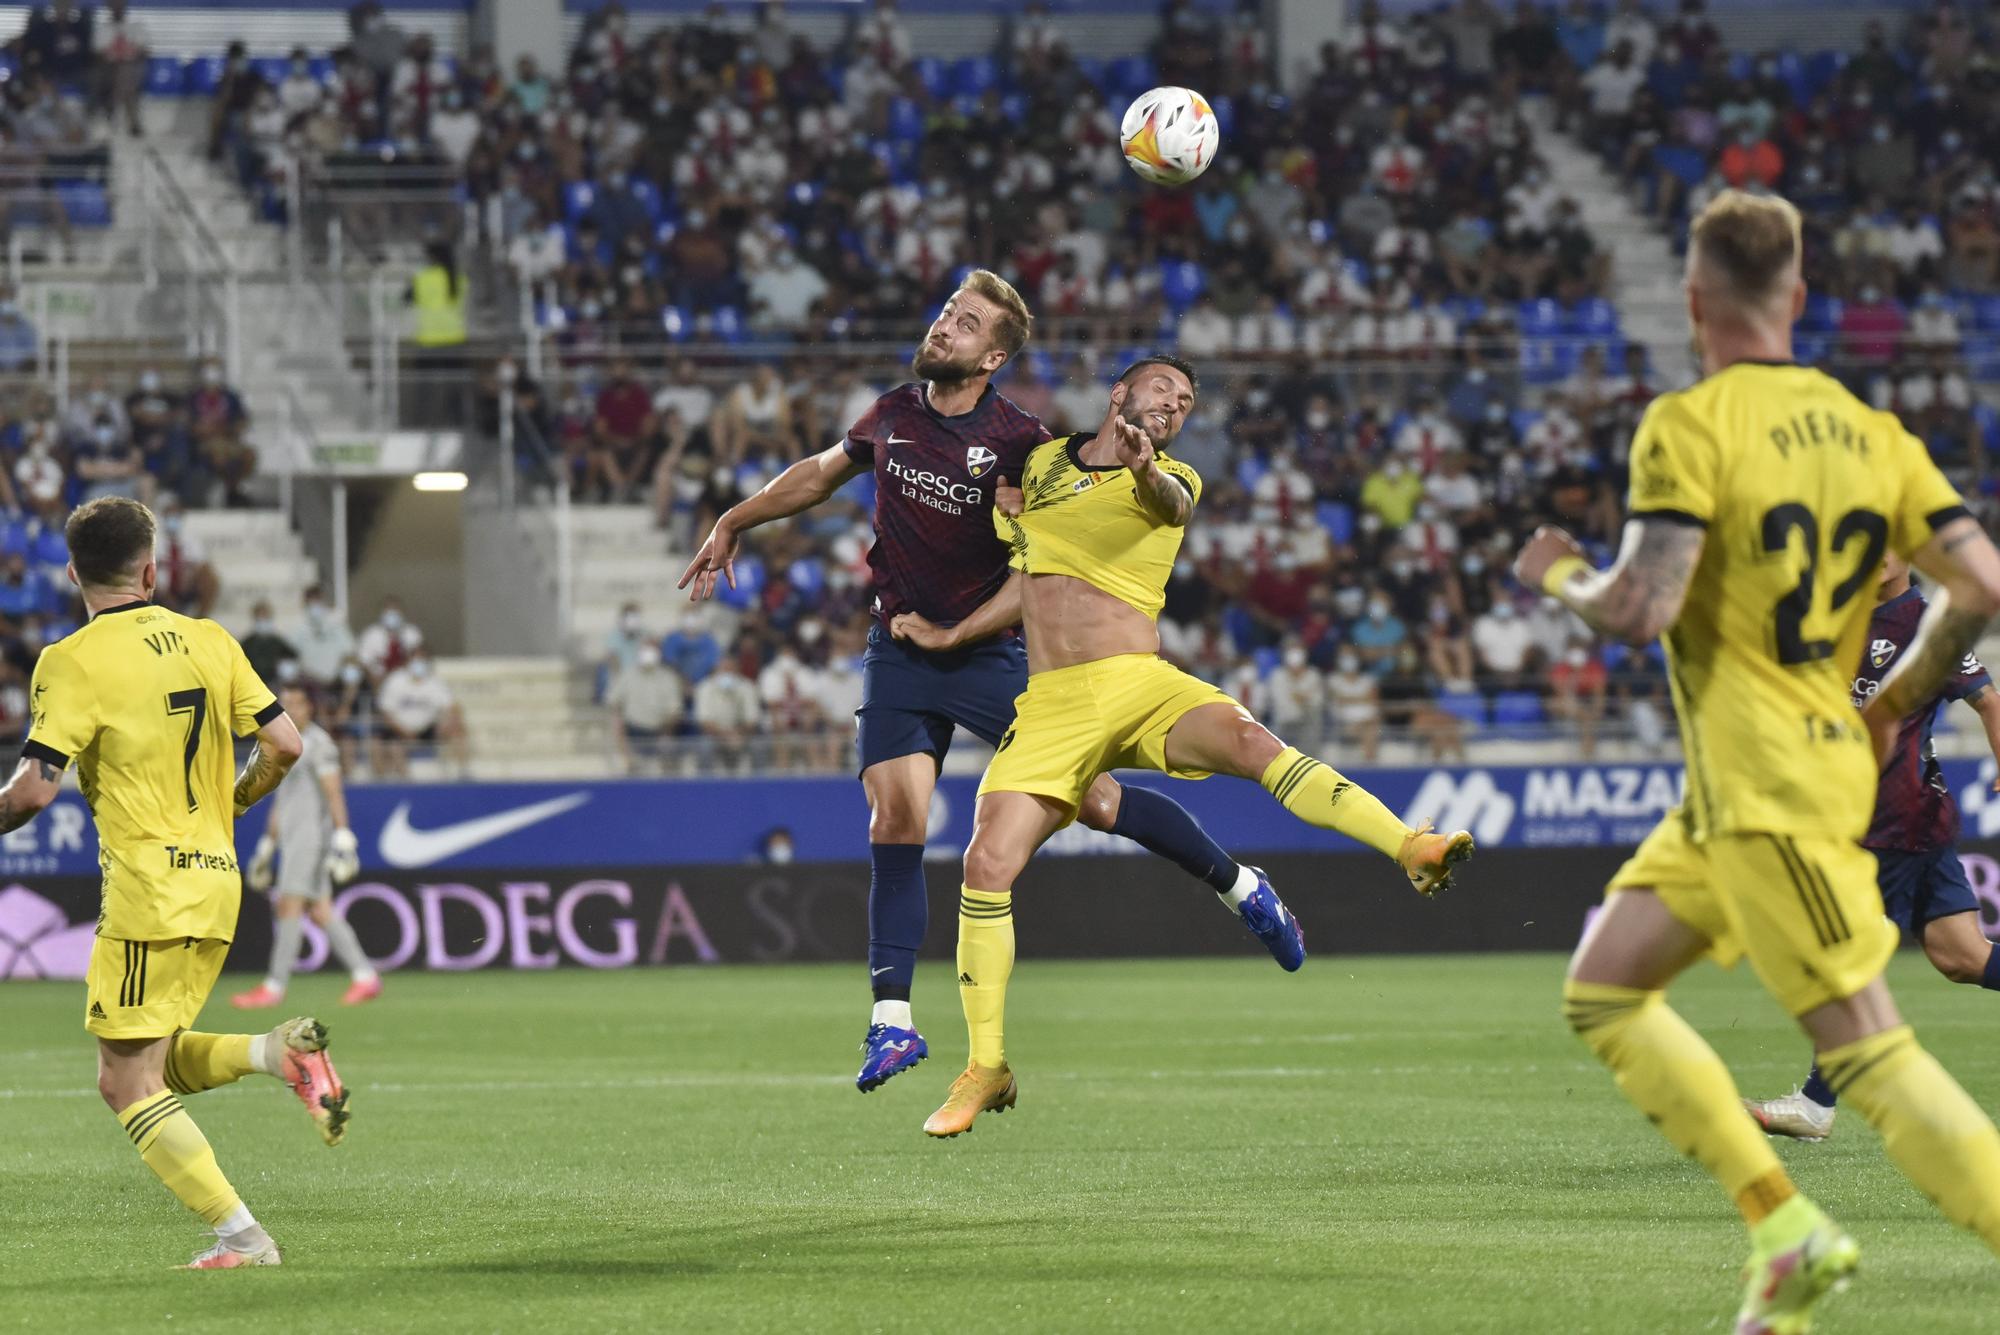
column 702, row 244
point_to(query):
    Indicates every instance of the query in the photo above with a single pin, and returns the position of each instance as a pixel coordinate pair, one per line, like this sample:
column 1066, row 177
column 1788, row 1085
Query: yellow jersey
column 1087, row 520
column 1801, row 487
column 145, row 701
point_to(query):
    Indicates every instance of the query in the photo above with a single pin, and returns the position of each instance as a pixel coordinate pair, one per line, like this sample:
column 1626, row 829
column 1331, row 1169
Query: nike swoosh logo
column 895, row 439
column 403, row 845
column 877, row 973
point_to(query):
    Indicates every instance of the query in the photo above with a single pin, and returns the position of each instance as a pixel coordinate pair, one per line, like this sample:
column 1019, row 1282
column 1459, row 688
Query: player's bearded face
column 939, row 363
column 1159, row 415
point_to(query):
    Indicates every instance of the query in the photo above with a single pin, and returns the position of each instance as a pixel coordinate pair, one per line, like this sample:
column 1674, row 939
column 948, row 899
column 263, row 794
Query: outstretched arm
column 1965, row 569
column 800, row 487
column 991, row 617
column 1635, row 600
column 1165, row 496
column 34, row 785
column 278, row 748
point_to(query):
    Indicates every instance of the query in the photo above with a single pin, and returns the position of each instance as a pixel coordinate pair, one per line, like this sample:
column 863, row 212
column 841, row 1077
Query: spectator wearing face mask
column 1502, row 642
column 1294, row 695
column 622, row 644
column 417, row 705
column 1576, row 689
column 1391, row 492
column 264, row 646
column 728, row 712
column 321, row 637
column 350, row 713
column 649, row 700
column 388, row 643
column 217, row 420
column 1354, row 702
column 1379, row 636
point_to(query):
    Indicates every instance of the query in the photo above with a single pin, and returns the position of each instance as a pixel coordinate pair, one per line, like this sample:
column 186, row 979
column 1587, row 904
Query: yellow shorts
column 1805, row 909
column 1074, row 723
column 149, row 989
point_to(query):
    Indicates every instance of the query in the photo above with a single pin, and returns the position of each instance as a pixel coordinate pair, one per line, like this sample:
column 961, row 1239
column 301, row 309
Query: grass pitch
column 1375, row 1145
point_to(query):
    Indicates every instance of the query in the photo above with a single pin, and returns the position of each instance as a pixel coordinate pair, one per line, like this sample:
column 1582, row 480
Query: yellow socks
column 198, row 1062
column 174, row 1148
column 985, row 962
column 1673, row 1076
column 1936, row 1134
column 1319, row 796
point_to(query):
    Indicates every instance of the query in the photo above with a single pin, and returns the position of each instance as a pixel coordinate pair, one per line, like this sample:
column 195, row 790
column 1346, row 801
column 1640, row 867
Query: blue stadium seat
column 1594, row 317
column 1181, row 283
column 749, row 585
column 578, row 198
column 1014, row 106
column 1742, row 65
column 1515, row 709
column 1337, row 519
column 272, row 69
column 807, row 574
column 203, row 74
column 1129, row 76
column 1464, row 309
column 1523, row 419
column 164, row 76
column 906, row 121
column 1225, row 114
column 1821, row 314
column 836, row 78
column 648, row 196
column 727, row 324
column 934, row 74
column 1250, row 470
column 1091, row 68
column 321, row 68
column 85, row 202
column 1687, row 164
column 1982, row 357
column 1467, row 706
column 974, row 75
column 1986, row 314
column 1540, row 361
column 1265, row 659
column 1811, row 349
column 1539, row 319
column 1821, row 68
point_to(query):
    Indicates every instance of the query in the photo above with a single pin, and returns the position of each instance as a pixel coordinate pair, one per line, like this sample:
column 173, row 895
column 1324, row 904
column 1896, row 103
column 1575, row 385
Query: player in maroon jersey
column 1924, row 886
column 938, row 447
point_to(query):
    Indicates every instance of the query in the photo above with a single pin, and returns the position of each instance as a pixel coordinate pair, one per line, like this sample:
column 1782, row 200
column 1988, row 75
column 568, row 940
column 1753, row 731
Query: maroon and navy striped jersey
column 935, row 552
column 1914, row 812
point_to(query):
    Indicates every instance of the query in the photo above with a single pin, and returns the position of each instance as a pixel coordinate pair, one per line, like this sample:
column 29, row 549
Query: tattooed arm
column 1635, row 600
column 278, row 747
column 32, row 788
column 1965, row 569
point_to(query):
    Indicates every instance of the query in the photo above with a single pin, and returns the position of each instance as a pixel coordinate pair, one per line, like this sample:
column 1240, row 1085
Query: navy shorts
column 911, row 699
column 1920, row 888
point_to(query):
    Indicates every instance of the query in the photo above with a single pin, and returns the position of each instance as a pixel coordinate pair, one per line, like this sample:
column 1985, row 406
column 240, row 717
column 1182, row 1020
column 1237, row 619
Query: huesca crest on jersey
column 978, row 459
column 1881, row 652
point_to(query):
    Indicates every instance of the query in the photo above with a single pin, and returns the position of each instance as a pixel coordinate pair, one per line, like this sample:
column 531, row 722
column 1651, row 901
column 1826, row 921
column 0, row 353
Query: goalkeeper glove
column 262, row 865
column 343, row 858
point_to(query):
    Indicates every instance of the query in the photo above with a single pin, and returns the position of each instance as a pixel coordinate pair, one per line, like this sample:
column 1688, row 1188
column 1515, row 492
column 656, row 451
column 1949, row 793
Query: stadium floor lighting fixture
column 439, row 481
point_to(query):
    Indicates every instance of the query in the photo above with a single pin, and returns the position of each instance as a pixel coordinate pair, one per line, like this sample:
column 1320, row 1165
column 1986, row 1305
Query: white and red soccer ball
column 1169, row 135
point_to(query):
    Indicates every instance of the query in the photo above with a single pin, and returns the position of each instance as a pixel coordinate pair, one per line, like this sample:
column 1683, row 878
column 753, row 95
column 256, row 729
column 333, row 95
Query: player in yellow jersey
column 1762, row 502
column 145, row 702
column 1095, row 527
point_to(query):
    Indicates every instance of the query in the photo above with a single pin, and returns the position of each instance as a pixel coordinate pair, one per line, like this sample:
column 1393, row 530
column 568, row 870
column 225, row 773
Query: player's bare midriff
column 1071, row 621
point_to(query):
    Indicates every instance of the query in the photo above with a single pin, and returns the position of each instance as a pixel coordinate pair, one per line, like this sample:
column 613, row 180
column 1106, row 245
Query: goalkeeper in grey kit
column 307, row 849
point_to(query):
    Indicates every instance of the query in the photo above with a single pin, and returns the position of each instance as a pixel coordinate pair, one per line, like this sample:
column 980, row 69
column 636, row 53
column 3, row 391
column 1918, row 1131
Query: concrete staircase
column 531, row 718
column 1646, row 274
column 621, row 557
column 256, row 555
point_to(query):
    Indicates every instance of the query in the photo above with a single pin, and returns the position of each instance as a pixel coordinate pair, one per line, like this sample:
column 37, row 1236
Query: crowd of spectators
column 378, row 694
column 1890, row 153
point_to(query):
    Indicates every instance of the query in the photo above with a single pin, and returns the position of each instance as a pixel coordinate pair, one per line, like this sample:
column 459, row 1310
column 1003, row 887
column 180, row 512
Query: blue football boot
column 1272, row 923
column 891, row 1051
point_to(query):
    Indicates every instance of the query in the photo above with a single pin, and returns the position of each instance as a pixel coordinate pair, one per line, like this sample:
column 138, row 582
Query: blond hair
column 1011, row 330
column 1750, row 242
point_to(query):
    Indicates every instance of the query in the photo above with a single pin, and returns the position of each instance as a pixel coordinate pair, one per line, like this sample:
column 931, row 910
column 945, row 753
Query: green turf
column 1408, row 1144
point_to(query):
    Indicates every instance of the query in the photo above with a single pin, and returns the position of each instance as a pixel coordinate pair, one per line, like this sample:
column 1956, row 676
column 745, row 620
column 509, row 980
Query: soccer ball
column 1169, row 135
